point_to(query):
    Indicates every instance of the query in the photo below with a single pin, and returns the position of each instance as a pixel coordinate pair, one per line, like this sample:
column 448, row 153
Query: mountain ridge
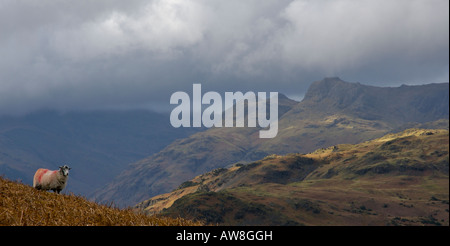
column 315, row 122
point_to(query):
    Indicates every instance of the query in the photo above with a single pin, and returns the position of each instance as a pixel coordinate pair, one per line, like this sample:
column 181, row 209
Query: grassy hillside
column 398, row 179
column 22, row 205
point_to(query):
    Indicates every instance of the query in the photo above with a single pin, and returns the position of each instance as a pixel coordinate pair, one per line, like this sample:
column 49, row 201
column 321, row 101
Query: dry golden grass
column 22, row 205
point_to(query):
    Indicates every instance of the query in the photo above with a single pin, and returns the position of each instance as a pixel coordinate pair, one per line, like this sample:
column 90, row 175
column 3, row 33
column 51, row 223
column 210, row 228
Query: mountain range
column 398, row 179
column 332, row 112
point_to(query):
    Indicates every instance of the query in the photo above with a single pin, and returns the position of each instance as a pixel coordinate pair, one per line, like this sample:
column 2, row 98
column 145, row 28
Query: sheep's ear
column 60, row 166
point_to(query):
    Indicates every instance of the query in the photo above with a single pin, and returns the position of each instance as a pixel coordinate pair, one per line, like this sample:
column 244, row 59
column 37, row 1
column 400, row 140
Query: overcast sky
column 88, row 54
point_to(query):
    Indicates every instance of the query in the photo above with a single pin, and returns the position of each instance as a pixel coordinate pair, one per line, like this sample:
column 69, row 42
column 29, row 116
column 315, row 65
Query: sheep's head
column 64, row 170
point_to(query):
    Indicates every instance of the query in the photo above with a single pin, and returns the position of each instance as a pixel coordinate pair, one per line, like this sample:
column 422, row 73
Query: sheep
column 56, row 180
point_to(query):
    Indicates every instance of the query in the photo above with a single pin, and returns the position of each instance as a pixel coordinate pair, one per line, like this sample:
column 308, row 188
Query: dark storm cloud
column 106, row 54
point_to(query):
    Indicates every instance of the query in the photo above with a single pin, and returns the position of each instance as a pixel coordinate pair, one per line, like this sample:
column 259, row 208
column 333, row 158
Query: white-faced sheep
column 56, row 180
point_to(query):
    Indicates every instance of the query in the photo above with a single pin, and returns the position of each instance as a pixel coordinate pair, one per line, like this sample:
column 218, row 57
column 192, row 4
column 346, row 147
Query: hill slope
column 399, row 179
column 22, row 205
column 332, row 112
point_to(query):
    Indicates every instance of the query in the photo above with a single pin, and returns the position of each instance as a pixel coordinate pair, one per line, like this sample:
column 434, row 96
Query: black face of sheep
column 64, row 170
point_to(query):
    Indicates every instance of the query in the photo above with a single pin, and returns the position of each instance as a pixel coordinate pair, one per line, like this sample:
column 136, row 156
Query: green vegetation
column 187, row 184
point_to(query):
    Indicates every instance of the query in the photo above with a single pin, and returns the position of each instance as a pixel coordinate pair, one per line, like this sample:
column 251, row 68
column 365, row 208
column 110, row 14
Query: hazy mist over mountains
column 116, row 55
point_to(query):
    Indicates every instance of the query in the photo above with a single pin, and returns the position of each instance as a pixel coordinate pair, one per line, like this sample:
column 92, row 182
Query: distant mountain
column 98, row 145
column 398, row 179
column 393, row 105
column 332, row 112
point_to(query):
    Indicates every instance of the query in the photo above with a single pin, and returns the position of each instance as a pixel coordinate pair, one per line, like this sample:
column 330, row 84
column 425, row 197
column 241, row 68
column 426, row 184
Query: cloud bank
column 125, row 54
